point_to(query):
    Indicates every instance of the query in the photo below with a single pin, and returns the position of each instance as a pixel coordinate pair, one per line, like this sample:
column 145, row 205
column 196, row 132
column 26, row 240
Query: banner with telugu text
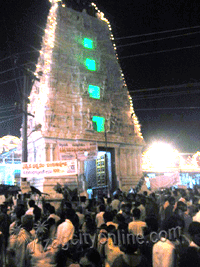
column 77, row 150
column 49, row 169
column 164, row 181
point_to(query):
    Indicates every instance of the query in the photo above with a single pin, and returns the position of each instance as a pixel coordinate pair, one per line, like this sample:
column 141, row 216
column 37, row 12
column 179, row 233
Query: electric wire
column 164, row 95
column 161, row 51
column 5, row 108
column 10, row 116
column 173, row 108
column 8, row 110
column 17, row 54
column 17, row 116
column 158, row 39
column 160, row 32
column 166, row 87
column 11, row 80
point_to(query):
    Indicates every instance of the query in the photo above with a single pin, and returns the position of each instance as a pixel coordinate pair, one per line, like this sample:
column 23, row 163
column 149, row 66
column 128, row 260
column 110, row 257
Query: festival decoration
column 132, row 112
column 8, row 142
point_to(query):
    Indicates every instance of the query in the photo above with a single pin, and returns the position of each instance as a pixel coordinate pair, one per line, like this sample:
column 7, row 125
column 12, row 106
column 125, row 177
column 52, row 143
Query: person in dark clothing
column 191, row 255
column 131, row 257
column 169, row 209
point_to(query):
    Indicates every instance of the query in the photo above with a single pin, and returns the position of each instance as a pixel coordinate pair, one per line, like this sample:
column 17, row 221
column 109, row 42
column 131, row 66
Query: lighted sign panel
column 98, row 123
column 88, row 43
column 90, row 64
column 94, row 91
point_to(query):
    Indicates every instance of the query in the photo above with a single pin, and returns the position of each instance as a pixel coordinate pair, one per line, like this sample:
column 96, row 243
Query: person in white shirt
column 164, row 251
column 99, row 217
column 136, row 226
column 65, row 230
column 31, row 204
column 115, row 204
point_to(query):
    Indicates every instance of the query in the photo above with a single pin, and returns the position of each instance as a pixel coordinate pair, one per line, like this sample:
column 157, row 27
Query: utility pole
column 106, row 164
column 25, row 116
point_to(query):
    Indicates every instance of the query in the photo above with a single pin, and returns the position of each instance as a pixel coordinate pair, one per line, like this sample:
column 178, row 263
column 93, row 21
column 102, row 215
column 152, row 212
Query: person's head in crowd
column 137, row 204
column 109, row 200
column 131, row 197
column 69, row 214
column 102, row 208
column 173, row 227
column 119, row 218
column 27, row 222
column 195, row 201
column 67, row 205
column 121, row 197
column 192, row 210
column 79, row 209
column 101, row 200
column 87, row 217
column 90, row 226
column 46, row 208
column 4, row 208
column 108, row 216
column 128, row 207
column 31, row 203
column 111, row 229
column 123, row 207
column 50, row 222
column 175, row 193
column 19, row 211
column 42, row 232
column 52, row 209
column 116, row 196
column 37, row 213
column 171, row 201
column 113, row 234
column 152, row 224
column 153, row 196
column 129, row 245
column 181, row 208
column 73, row 252
column 183, row 193
column 114, row 213
column 136, row 213
column 91, row 257
column 145, row 193
column 194, row 231
column 143, row 201
column 83, row 199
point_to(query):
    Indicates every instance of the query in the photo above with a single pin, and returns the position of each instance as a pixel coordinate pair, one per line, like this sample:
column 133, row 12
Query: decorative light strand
column 133, row 115
column 44, row 65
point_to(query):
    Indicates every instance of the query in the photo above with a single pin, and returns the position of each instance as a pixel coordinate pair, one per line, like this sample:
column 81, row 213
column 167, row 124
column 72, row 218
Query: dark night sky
column 170, row 114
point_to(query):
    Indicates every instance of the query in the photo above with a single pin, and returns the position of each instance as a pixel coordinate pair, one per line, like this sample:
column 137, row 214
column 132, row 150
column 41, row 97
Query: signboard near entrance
column 49, row 169
column 78, row 150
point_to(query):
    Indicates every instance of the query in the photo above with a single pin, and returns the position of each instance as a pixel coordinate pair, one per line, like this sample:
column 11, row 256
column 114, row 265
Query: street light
column 160, row 157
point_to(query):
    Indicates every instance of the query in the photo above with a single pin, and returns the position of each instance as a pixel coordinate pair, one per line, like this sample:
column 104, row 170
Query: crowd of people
column 159, row 229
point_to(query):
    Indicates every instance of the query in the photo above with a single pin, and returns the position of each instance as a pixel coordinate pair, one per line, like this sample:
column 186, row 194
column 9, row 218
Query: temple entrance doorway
column 100, row 176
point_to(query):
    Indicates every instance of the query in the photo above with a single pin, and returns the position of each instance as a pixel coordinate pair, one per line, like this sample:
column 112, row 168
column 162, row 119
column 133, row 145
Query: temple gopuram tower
column 81, row 106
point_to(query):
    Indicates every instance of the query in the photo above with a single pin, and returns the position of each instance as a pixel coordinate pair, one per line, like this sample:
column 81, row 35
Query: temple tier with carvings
column 81, row 98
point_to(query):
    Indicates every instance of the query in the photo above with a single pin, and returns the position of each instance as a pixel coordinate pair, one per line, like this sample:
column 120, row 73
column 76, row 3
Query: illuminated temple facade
column 81, row 100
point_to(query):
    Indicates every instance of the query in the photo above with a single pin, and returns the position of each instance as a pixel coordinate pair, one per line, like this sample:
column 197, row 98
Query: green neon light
column 98, row 123
column 94, row 91
column 88, row 43
column 90, row 64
